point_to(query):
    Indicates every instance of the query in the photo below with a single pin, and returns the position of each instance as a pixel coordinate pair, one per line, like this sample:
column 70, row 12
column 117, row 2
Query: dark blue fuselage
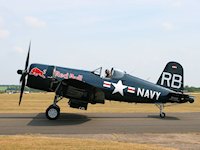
column 119, row 87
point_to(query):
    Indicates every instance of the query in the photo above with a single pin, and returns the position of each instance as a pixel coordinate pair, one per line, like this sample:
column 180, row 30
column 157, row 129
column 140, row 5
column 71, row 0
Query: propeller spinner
column 23, row 74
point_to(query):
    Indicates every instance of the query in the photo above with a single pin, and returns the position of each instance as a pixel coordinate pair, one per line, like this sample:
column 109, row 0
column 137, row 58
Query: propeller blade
column 24, row 74
column 22, row 78
column 27, row 59
column 22, row 91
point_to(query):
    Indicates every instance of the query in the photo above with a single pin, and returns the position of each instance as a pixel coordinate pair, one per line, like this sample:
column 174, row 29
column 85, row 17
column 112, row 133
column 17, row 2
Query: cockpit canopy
column 117, row 74
column 114, row 73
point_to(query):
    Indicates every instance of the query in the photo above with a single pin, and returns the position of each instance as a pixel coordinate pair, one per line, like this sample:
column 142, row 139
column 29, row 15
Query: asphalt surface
column 99, row 123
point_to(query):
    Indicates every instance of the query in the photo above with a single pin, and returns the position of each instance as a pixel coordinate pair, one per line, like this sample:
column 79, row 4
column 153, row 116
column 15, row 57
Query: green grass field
column 2, row 88
column 38, row 102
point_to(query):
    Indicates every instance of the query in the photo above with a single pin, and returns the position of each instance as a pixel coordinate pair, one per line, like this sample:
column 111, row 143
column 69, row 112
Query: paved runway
column 99, row 123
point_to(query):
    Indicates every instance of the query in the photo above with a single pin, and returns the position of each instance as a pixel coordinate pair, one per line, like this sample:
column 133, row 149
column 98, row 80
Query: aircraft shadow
column 73, row 118
column 166, row 118
column 140, row 117
column 64, row 119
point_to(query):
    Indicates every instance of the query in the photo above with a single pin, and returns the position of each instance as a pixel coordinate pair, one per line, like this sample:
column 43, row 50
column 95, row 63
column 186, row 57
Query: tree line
column 16, row 88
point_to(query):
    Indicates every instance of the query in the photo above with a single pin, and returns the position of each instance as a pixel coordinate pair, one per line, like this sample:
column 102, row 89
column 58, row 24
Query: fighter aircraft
column 82, row 87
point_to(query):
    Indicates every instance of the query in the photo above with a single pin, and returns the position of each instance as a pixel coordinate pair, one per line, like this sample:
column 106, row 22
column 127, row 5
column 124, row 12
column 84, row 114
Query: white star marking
column 119, row 87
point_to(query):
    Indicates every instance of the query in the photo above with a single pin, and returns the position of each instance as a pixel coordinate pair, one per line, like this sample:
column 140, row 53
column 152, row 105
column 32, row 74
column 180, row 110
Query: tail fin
column 172, row 77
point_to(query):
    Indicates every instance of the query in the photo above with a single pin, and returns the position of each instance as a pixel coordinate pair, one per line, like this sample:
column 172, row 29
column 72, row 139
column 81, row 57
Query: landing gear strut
column 53, row 111
column 161, row 107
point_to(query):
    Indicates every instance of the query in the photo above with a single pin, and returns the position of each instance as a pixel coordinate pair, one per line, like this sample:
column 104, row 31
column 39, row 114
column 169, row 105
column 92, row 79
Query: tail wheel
column 53, row 112
column 162, row 115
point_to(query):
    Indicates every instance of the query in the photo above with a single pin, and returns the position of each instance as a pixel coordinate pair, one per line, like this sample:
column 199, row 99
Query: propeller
column 23, row 74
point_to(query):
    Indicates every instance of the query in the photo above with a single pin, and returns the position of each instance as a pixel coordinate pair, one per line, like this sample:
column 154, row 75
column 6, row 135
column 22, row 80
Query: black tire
column 53, row 112
column 162, row 115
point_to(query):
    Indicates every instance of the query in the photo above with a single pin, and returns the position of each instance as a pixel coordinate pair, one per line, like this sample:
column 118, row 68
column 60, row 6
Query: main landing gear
column 53, row 111
column 161, row 107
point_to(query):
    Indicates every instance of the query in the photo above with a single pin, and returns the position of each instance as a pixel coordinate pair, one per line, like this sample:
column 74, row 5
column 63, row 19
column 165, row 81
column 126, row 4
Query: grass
column 51, row 143
column 38, row 102
column 3, row 88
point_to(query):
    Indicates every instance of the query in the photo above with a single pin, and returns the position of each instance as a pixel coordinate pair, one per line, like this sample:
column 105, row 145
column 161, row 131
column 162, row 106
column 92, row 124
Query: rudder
column 172, row 77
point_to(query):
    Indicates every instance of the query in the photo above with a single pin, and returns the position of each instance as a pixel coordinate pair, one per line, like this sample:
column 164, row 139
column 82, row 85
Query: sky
column 137, row 36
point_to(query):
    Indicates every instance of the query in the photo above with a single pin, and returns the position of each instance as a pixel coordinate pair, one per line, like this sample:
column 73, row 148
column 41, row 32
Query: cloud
column 4, row 33
column 1, row 22
column 19, row 49
column 168, row 26
column 176, row 3
column 34, row 22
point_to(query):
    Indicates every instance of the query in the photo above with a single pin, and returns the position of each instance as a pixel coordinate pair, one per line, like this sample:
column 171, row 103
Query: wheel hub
column 52, row 113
